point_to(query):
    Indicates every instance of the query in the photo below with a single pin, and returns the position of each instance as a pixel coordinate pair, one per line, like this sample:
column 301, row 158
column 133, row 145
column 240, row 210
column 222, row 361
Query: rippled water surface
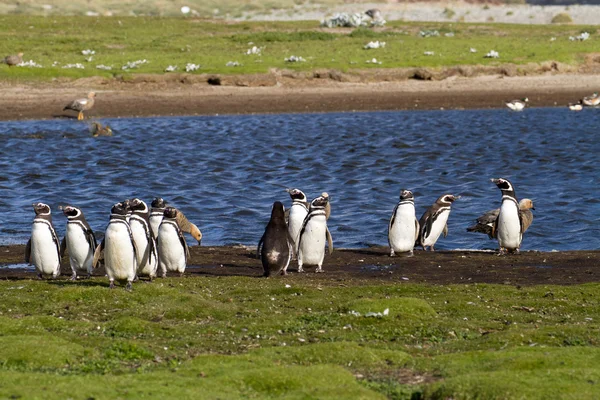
column 225, row 172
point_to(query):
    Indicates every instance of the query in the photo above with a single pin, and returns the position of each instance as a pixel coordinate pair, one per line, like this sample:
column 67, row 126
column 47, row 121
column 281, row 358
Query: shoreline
column 177, row 95
column 373, row 265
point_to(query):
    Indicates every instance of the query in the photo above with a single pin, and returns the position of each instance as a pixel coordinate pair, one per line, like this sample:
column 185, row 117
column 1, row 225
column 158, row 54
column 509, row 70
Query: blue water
column 225, row 172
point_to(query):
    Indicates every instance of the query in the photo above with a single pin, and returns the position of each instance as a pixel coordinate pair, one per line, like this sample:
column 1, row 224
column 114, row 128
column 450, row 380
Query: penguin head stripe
column 406, row 195
column 41, row 209
column 447, row 199
column 70, row 212
column 319, row 202
column 119, row 209
column 297, row 194
column 138, row 205
column 170, row 212
column 504, row 184
column 158, row 202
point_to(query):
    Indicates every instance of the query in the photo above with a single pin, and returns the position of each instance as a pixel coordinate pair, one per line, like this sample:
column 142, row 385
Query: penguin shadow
column 85, row 282
column 377, row 252
column 225, row 270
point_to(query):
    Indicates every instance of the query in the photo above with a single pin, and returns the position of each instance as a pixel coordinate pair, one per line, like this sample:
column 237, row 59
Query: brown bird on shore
column 486, row 221
column 13, row 60
column 81, row 105
column 186, row 226
column 327, row 206
column 97, row 129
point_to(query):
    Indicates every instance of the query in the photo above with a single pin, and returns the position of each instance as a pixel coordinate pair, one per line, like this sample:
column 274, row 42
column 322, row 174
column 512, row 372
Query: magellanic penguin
column 508, row 228
column 517, row 105
column 313, row 235
column 156, row 214
column 297, row 212
column 173, row 251
column 403, row 229
column 144, row 241
column 118, row 246
column 79, row 242
column 485, row 222
column 434, row 221
column 276, row 246
column 43, row 248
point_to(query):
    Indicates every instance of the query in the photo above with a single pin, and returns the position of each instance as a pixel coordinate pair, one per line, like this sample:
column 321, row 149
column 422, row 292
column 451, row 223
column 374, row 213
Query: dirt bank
column 374, row 264
column 277, row 93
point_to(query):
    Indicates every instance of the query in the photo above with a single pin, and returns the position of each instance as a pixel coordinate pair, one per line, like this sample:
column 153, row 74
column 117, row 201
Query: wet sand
column 373, row 265
column 280, row 93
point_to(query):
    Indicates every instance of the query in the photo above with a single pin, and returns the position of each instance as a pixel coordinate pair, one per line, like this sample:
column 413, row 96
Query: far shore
column 180, row 96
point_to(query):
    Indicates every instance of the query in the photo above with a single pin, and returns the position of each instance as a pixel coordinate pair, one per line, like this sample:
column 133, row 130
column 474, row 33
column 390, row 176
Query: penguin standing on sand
column 79, row 242
column 120, row 253
column 144, row 241
column 508, row 227
column 276, row 246
column 156, row 214
column 43, row 248
column 297, row 212
column 313, row 235
column 173, row 251
column 434, row 221
column 403, row 229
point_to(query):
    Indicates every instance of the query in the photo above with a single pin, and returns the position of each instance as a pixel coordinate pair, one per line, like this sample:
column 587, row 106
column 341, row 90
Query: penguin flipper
column 286, row 215
column 97, row 254
column 494, row 233
column 392, row 219
column 445, row 231
column 291, row 245
column 417, row 228
column 63, row 247
column 55, row 239
column 260, row 242
column 28, row 251
column 329, row 240
column 184, row 244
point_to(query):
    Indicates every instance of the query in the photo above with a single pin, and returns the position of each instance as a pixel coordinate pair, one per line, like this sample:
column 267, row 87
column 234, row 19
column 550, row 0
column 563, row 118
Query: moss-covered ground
column 243, row 337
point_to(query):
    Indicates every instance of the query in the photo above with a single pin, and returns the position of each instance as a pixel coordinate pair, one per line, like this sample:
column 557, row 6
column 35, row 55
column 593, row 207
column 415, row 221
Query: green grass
column 239, row 337
column 177, row 41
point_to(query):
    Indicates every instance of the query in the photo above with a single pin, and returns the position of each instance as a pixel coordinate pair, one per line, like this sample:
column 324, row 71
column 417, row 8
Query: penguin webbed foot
column 300, row 270
column 129, row 286
column 73, row 277
column 40, row 277
column 392, row 254
column 319, row 270
column 112, row 285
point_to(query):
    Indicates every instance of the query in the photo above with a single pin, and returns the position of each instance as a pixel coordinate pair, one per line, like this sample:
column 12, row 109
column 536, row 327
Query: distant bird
column 485, row 222
column 517, row 105
column 434, row 221
column 374, row 13
column 591, row 101
column 576, row 106
column 97, row 129
column 81, row 105
column 13, row 60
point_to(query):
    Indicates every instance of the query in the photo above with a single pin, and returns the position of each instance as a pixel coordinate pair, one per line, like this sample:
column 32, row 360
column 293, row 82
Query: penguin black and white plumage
column 508, row 227
column 485, row 223
column 403, row 229
column 144, row 241
column 297, row 213
column 156, row 214
column 173, row 251
column 79, row 241
column 43, row 248
column 118, row 246
column 313, row 236
column 276, row 246
column 434, row 221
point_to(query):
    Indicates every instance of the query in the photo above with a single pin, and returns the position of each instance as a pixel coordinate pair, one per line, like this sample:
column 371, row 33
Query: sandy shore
column 279, row 94
column 375, row 265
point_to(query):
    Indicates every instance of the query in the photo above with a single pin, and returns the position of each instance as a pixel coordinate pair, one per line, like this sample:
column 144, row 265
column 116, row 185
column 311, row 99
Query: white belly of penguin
column 402, row 232
column 509, row 227
column 312, row 244
column 119, row 254
column 295, row 221
column 81, row 253
column 437, row 228
column 148, row 268
column 155, row 221
column 44, row 254
column 171, row 253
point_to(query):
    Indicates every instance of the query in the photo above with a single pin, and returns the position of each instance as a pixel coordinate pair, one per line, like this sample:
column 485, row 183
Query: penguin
column 297, row 212
column 156, row 214
column 79, row 241
column 276, row 246
column 118, row 246
column 43, row 248
column 508, row 227
column 312, row 237
column 144, row 241
column 485, row 222
column 434, row 221
column 403, row 229
column 173, row 251
column 517, row 105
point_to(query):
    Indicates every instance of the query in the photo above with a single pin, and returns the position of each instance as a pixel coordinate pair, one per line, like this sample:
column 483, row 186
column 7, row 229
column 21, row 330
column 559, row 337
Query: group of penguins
column 137, row 242
column 302, row 231
column 148, row 242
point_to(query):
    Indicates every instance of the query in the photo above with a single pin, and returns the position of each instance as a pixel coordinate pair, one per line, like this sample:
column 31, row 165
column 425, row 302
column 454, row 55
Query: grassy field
column 59, row 41
column 240, row 337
